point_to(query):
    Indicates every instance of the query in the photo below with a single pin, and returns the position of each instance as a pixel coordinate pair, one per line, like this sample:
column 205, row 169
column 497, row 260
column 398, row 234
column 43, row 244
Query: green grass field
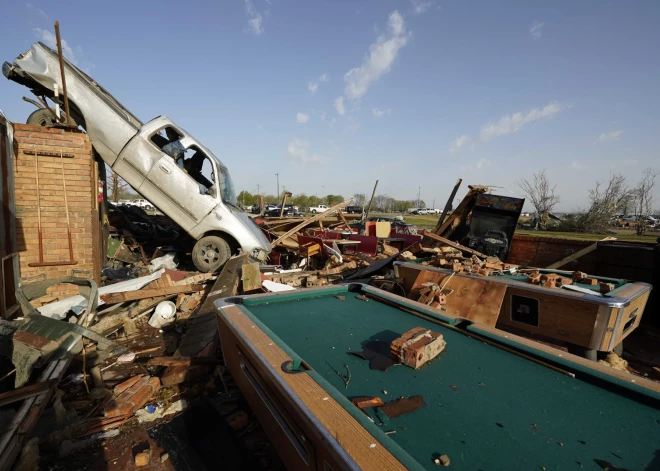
column 429, row 222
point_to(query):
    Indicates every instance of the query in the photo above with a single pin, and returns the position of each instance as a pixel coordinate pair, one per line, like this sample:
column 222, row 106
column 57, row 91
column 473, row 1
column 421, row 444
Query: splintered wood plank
column 576, row 255
column 114, row 298
column 477, row 300
column 251, row 277
column 358, row 443
column 451, row 243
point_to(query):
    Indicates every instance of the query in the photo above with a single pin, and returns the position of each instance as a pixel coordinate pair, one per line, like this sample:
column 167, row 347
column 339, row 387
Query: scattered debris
column 402, row 406
column 417, row 346
column 442, row 460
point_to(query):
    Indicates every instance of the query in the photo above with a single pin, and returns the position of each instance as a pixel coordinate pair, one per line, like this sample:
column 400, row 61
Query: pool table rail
column 333, row 438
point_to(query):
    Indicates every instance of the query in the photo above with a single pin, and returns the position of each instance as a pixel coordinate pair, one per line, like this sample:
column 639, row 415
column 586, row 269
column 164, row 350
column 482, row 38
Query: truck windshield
column 227, row 190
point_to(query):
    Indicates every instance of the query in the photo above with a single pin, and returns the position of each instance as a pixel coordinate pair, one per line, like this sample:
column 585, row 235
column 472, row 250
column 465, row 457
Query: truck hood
column 253, row 227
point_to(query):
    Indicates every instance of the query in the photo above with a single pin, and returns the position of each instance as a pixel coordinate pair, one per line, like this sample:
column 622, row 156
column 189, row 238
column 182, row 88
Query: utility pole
column 278, row 185
column 323, row 194
column 258, row 190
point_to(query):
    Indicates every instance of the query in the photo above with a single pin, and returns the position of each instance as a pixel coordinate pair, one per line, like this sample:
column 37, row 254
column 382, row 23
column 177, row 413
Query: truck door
column 183, row 188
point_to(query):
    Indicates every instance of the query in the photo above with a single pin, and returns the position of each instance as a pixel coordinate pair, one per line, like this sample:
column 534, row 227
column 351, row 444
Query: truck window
column 198, row 167
column 168, row 140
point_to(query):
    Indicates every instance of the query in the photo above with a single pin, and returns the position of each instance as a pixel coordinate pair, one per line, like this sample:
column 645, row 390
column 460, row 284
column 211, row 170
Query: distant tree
column 313, row 201
column 359, row 199
column 246, row 198
column 118, row 189
column 542, row 195
column 271, row 199
column 402, row 206
column 334, row 199
column 643, row 199
column 605, row 199
column 301, row 200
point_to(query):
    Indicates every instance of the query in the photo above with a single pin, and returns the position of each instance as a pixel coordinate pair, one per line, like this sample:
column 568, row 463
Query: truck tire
column 313, row 211
column 41, row 117
column 210, row 253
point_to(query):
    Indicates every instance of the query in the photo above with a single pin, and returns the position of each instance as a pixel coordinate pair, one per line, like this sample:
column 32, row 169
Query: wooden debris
column 606, row 287
column 307, row 222
column 365, row 402
column 251, row 277
column 114, row 298
column 450, row 243
column 183, row 361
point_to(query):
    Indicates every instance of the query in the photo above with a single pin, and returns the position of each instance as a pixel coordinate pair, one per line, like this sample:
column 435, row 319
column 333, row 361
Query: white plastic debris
column 144, row 414
column 276, row 287
column 126, row 358
column 166, row 261
column 163, row 314
column 78, row 304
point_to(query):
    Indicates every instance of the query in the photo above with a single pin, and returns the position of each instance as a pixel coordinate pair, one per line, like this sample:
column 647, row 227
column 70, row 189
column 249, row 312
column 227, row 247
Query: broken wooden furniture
column 288, row 353
column 577, row 316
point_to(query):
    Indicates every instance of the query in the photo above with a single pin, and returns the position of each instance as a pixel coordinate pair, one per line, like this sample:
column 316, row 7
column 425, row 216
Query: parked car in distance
column 353, row 210
column 318, row 209
column 275, row 210
column 144, row 204
column 165, row 164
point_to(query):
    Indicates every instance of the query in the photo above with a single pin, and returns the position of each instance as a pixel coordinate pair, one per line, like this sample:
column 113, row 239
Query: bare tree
column 542, row 195
column 604, row 202
column 643, row 199
column 359, row 199
column 116, row 186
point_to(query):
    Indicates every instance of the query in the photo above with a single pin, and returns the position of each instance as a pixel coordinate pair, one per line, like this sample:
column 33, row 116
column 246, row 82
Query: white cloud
column 382, row 55
column 322, row 116
column 302, row 118
column 535, row 29
column 479, row 165
column 380, row 113
column 515, row 122
column 298, row 150
column 609, row 136
column 313, row 86
column 49, row 40
column 459, row 142
column 255, row 19
column 576, row 165
column 483, row 163
column 38, row 11
column 420, row 6
column 339, row 106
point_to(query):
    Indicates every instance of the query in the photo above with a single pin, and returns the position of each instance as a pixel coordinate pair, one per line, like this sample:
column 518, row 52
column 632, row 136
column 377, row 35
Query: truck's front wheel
column 210, row 253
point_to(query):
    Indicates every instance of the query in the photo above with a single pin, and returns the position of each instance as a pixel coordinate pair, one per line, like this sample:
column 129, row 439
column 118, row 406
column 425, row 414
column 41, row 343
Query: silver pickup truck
column 159, row 159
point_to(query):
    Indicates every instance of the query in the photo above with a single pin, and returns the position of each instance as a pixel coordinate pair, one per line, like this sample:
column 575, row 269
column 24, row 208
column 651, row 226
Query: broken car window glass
column 168, row 140
column 199, row 167
column 227, row 190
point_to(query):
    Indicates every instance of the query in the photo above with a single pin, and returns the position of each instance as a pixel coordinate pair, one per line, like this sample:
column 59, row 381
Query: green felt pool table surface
column 486, row 408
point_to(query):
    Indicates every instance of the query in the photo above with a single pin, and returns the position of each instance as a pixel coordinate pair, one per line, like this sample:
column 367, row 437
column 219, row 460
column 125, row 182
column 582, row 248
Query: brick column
column 81, row 193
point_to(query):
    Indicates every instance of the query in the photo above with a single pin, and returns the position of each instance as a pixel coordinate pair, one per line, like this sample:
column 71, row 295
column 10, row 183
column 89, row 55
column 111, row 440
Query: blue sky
column 333, row 95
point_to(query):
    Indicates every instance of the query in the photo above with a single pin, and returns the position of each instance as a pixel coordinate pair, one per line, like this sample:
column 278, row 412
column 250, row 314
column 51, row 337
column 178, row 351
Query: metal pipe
column 61, row 58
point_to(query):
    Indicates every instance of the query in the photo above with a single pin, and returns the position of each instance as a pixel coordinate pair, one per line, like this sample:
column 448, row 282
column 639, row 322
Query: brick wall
column 81, row 192
column 543, row 251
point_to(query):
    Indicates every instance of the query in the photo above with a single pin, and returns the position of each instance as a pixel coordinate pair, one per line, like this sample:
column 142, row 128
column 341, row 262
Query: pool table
column 586, row 323
column 492, row 400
